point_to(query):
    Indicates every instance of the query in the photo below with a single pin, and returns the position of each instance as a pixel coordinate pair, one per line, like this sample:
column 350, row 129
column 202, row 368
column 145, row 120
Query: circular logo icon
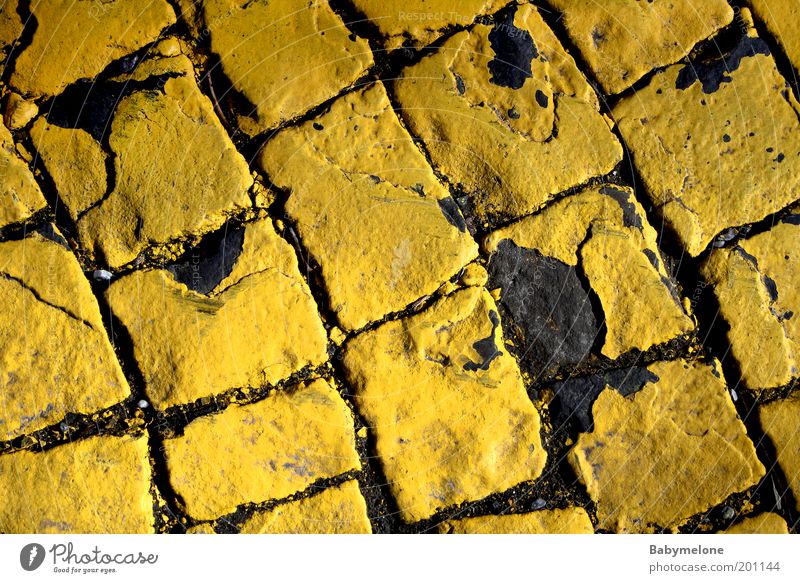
column 31, row 556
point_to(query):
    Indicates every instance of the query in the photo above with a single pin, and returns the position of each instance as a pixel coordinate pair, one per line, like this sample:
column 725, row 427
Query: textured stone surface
column 755, row 283
column 566, row 521
column 55, row 356
column 549, row 266
column 507, row 116
column 622, row 40
column 368, row 207
column 99, row 485
column 77, row 40
column 20, row 196
column 420, row 22
column 441, row 395
column 766, row 523
column 174, row 171
column 779, row 422
column 264, row 451
column 782, row 18
column 285, row 57
column 708, row 155
column 671, row 450
column 252, row 324
column 337, row 510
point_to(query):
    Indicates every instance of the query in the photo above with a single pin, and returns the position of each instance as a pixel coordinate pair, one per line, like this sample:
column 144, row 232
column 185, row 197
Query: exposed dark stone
column 204, row 266
column 514, row 50
column 549, row 310
column 651, row 257
column 575, row 397
column 460, row 85
column 713, row 72
column 48, row 232
column 791, row 219
column 486, row 348
column 541, row 98
column 452, row 213
column 630, row 218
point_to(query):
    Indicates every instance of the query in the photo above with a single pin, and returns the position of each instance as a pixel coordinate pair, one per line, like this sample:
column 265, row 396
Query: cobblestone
column 337, row 510
column 567, row 521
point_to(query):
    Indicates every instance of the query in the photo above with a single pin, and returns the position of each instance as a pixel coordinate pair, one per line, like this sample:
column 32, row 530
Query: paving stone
column 368, row 207
column 10, row 28
column 284, row 57
column 665, row 453
column 623, row 40
column 19, row 111
column 174, row 172
column 782, row 18
column 708, row 155
column 764, row 523
column 55, row 356
column 779, row 422
column 566, row 521
column 755, row 283
column 549, row 265
column 446, row 404
column 20, row 196
column 420, row 22
column 337, row 510
column 99, row 485
column 77, row 40
column 264, row 451
column 202, row 528
column 252, row 322
column 506, row 115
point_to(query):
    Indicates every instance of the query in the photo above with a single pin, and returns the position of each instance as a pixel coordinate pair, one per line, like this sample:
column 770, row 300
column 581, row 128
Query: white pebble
column 102, row 275
column 143, row 404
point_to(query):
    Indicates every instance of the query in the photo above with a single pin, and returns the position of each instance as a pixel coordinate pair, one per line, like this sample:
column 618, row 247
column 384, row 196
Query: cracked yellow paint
column 765, row 523
column 447, row 405
column 177, row 173
column 764, row 332
column 782, row 18
column 698, row 151
column 337, row 510
column 75, row 162
column 77, row 40
column 264, row 451
column 10, row 27
column 510, row 150
column 55, row 356
column 102, row 486
column 609, row 239
column 566, row 521
column 623, row 40
column 285, row 57
column 779, row 422
column 368, row 207
column 656, row 458
column 20, row 196
column 420, row 22
column 258, row 326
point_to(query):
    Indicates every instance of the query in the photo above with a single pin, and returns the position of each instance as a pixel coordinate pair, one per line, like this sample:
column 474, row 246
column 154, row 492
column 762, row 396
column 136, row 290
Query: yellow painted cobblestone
column 257, row 326
column 285, row 57
column 566, row 521
column 622, row 40
column 368, row 207
column 441, row 394
column 509, row 137
column 766, row 523
column 656, row 458
column 97, row 485
column 19, row 194
column 695, row 142
column 779, row 422
column 337, row 510
column 55, row 356
column 268, row 450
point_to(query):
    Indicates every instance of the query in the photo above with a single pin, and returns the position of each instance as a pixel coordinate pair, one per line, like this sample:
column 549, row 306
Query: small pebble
column 728, row 513
column 538, row 504
column 102, row 275
column 143, row 404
